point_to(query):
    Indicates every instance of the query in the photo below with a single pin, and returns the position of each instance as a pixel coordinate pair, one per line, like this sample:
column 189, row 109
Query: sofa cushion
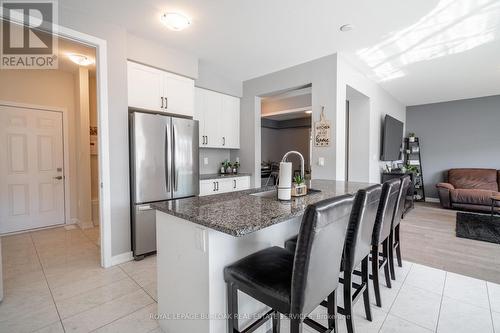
column 483, row 179
column 473, row 197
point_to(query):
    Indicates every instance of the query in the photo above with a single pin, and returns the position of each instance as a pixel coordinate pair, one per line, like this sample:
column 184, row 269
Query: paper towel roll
column 285, row 181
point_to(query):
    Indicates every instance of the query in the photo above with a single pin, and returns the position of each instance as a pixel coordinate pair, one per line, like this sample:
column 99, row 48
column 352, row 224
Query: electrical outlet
column 205, row 160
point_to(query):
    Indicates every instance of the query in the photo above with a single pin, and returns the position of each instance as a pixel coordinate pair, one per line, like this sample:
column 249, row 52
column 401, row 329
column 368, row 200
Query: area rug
column 478, row 227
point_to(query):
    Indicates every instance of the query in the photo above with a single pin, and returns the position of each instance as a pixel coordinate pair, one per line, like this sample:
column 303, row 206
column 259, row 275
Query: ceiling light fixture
column 175, row 21
column 80, row 59
column 346, row 27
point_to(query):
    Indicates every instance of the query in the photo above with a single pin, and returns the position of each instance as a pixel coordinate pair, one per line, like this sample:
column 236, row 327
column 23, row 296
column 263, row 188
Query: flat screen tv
column 392, row 139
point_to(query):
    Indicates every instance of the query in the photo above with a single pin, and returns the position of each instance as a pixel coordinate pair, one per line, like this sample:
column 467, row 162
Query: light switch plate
column 205, row 160
column 321, row 161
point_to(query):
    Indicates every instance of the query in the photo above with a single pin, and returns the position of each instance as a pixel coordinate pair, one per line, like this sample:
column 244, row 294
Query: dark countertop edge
column 219, row 176
column 227, row 231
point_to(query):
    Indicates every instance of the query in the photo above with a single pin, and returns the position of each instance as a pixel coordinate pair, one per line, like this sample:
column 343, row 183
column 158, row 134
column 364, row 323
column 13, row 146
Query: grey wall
column 277, row 142
column 456, row 134
column 322, row 74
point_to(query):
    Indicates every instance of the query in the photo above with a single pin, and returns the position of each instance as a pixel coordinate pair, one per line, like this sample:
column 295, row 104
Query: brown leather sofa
column 470, row 189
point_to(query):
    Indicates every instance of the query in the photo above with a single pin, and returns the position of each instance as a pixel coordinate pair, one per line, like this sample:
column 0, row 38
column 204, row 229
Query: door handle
column 167, row 176
column 58, row 177
column 174, row 164
column 161, row 102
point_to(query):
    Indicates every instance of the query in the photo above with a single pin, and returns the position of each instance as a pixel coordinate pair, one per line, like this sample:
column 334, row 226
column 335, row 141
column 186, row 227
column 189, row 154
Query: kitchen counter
column 197, row 237
column 241, row 213
column 219, row 176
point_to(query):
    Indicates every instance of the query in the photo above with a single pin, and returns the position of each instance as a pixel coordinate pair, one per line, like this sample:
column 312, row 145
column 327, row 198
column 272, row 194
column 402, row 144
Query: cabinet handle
column 166, row 103
column 215, row 189
column 161, row 102
column 223, row 140
column 234, row 180
column 207, row 139
column 217, row 186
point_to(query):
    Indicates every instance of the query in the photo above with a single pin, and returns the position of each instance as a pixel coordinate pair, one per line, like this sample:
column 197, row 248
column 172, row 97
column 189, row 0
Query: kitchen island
column 197, row 237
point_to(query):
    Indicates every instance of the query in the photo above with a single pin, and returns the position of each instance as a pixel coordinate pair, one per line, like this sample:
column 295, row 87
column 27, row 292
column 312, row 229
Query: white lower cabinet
column 224, row 185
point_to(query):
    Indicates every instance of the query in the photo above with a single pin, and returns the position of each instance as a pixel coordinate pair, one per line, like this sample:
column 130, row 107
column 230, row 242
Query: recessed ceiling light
column 80, row 59
column 346, row 27
column 175, row 21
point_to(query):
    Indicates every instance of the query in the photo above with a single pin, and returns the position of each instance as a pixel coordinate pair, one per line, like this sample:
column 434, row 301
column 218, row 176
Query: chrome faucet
column 301, row 160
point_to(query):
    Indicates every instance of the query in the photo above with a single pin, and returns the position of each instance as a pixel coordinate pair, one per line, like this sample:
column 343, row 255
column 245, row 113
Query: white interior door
column 31, row 169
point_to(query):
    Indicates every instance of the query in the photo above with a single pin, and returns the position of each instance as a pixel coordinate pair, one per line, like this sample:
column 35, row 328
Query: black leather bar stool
column 381, row 233
column 358, row 245
column 357, row 250
column 294, row 284
column 398, row 213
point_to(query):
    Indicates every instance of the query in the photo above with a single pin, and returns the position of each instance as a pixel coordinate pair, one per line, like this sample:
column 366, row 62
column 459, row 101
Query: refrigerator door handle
column 167, row 150
column 174, row 164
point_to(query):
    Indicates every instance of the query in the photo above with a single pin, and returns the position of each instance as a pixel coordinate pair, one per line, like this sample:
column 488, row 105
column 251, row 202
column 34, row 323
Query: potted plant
column 228, row 166
column 412, row 169
column 299, row 188
column 236, row 166
column 411, row 137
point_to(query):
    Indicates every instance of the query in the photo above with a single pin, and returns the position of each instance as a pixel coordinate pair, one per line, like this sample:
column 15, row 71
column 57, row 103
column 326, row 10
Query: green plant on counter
column 298, row 179
column 236, row 165
column 226, row 164
column 411, row 135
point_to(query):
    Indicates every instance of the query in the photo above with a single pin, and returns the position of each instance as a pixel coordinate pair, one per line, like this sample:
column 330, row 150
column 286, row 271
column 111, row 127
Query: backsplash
column 215, row 157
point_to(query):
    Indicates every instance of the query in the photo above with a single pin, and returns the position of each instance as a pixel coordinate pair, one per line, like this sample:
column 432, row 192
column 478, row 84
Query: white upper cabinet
column 145, row 87
column 156, row 90
column 219, row 117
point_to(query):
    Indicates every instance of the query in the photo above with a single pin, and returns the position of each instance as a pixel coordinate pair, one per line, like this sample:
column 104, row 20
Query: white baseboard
column 121, row 258
column 432, row 199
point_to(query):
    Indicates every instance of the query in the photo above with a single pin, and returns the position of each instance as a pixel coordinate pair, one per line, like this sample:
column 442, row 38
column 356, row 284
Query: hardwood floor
column 428, row 237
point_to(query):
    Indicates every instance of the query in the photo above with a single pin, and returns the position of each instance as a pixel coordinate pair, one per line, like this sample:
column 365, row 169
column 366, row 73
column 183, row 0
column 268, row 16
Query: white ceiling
column 420, row 51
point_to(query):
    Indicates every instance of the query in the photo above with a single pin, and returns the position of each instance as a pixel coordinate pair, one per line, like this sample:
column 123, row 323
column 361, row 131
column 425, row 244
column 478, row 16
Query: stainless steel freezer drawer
column 143, row 230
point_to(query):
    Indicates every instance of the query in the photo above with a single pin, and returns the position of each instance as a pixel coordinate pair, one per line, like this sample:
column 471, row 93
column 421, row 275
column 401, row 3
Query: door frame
column 103, row 134
column 65, row 138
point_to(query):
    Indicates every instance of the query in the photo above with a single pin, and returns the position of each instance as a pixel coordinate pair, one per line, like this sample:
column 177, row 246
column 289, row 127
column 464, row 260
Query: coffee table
column 494, row 200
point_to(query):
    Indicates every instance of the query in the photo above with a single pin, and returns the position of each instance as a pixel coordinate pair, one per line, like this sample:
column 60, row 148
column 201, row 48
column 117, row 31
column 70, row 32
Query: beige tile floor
column 53, row 283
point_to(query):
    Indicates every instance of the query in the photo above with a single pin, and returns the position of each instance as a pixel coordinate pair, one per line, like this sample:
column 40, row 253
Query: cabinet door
column 224, row 185
column 212, row 116
column 207, row 187
column 179, row 92
column 145, row 87
column 241, row 183
column 199, row 107
column 230, row 121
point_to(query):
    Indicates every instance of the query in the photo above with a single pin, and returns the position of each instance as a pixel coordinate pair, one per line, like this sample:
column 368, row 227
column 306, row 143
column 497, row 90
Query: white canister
column 285, row 181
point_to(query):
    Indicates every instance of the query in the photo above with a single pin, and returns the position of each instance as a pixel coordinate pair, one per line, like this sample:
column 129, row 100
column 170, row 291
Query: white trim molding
column 121, row 258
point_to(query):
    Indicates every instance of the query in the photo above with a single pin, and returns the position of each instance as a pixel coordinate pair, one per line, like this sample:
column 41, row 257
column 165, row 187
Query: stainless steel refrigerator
column 163, row 166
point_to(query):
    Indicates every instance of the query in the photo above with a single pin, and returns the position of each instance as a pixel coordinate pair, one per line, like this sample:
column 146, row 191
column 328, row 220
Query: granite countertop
column 219, row 176
column 240, row 213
